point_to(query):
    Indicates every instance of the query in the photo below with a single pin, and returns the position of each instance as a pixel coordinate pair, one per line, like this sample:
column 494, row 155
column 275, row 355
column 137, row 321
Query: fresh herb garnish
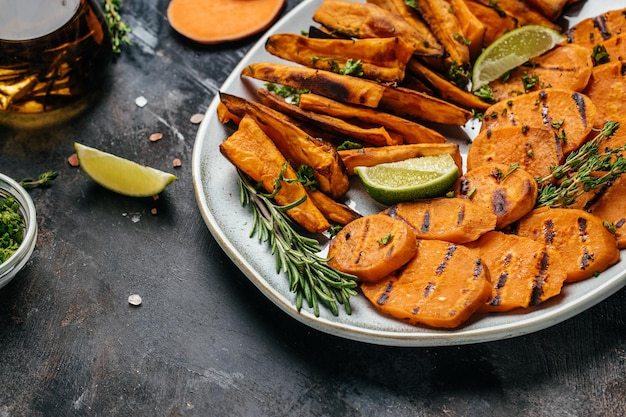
column 11, row 227
column 44, row 180
column 118, row 29
column 309, row 275
column 290, row 94
column 600, row 55
column 485, row 94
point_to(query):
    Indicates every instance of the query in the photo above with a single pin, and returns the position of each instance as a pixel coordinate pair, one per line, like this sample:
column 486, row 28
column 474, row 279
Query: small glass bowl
column 10, row 267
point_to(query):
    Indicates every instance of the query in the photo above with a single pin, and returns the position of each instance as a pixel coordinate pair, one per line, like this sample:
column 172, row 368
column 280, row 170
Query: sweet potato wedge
column 567, row 67
column 551, row 9
column 339, row 87
column 572, row 115
column 254, row 153
column 585, row 244
column 473, row 29
column 497, row 22
column 508, row 192
column 607, row 90
column 441, row 287
column 371, row 156
column 535, row 149
column 523, row 272
column 295, row 144
column 410, row 131
column 454, row 220
column 332, row 209
column 372, row 247
column 363, row 20
column 381, row 59
column 524, row 14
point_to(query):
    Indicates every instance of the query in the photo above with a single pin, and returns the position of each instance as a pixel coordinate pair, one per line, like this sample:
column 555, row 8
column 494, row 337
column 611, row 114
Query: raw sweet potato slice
column 571, row 114
column 442, row 286
column 454, row 220
column 509, row 192
column 523, row 272
column 607, row 90
column 535, row 149
column 372, row 247
column 583, row 241
column 254, row 153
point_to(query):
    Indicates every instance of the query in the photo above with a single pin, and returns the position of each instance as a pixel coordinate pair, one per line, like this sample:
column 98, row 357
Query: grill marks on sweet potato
column 442, row 286
column 607, row 90
column 523, row 272
column 372, row 247
column 582, row 240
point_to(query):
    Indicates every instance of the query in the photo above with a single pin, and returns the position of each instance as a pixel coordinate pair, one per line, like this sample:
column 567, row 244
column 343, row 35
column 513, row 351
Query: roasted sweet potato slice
column 410, row 131
column 607, row 90
column 594, row 30
column 372, row 247
column 254, row 153
column 583, row 241
column 442, row 286
column 571, row 114
column 363, row 20
column 567, row 67
column 509, row 192
column 523, row 272
column 381, row 59
column 295, row 144
column 371, row 156
column 535, row 149
column 454, row 220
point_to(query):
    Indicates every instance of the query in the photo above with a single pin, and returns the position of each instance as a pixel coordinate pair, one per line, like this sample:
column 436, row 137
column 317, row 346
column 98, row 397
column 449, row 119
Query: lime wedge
column 512, row 50
column 408, row 180
column 121, row 175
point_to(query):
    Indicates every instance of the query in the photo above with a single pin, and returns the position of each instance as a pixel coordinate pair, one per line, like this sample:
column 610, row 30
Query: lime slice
column 408, row 180
column 121, row 175
column 512, row 50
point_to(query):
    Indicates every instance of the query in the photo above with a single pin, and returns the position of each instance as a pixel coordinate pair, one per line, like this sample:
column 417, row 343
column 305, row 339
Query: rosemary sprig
column 584, row 170
column 44, row 180
column 309, row 275
column 118, row 29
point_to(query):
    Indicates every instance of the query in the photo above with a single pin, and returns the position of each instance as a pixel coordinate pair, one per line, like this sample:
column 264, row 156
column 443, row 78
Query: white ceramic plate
column 217, row 193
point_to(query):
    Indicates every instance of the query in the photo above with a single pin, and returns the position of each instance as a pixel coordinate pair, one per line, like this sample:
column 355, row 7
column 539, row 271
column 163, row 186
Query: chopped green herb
column 11, row 227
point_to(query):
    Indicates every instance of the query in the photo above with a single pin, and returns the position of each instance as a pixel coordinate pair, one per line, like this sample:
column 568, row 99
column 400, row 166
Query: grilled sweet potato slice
column 454, row 220
column 571, row 114
column 371, row 156
column 535, row 149
column 381, row 59
column 363, row 20
column 508, row 192
column 523, row 272
column 594, row 30
column 567, row 67
column 442, row 286
column 254, row 153
column 372, row 247
column 607, row 90
column 583, row 241
column 409, row 131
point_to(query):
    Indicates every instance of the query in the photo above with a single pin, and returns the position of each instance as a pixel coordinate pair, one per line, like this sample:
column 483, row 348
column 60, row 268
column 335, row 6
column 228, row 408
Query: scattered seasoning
column 134, row 300
column 177, row 163
column 153, row 211
column 156, row 136
column 11, row 227
column 196, row 118
column 73, row 160
column 141, row 101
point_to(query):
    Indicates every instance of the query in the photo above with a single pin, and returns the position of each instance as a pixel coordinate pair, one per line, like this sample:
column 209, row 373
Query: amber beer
column 54, row 56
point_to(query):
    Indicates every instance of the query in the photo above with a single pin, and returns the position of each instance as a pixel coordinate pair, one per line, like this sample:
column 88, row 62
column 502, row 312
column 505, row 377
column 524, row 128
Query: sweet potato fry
column 496, row 21
column 339, row 87
column 410, row 132
column 585, row 244
column 372, row 247
column 362, row 20
column 567, row 67
column 381, row 59
column 473, row 29
column 224, row 115
column 374, row 135
column 295, row 144
column 524, row 14
column 572, row 115
column 535, row 149
column 523, row 272
column 508, row 192
column 454, row 220
column 332, row 209
column 368, row 157
column 442, row 286
column 607, row 90
column 254, row 153
column 551, row 9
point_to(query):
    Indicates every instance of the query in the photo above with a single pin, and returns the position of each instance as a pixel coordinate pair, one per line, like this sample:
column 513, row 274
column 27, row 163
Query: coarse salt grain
column 134, row 299
column 196, row 118
column 156, row 136
column 141, row 101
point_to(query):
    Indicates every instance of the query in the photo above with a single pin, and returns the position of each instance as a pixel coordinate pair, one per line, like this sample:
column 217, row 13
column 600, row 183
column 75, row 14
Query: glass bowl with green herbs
column 18, row 228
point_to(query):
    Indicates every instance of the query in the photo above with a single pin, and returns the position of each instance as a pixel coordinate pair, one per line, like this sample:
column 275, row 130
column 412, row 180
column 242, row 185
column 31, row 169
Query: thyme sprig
column 586, row 169
column 118, row 29
column 44, row 180
column 309, row 275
